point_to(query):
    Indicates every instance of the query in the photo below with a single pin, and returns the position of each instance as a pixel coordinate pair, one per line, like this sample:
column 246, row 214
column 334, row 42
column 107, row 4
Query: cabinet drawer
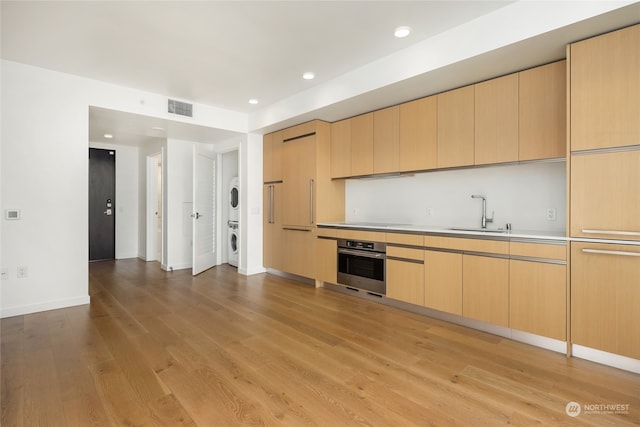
column 405, row 239
column 538, row 250
column 468, row 245
column 327, row 232
column 369, row 236
column 407, row 253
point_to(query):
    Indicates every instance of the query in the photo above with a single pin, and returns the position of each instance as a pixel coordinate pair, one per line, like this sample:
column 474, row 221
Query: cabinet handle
column 604, row 252
column 271, row 214
column 311, row 201
column 618, row 232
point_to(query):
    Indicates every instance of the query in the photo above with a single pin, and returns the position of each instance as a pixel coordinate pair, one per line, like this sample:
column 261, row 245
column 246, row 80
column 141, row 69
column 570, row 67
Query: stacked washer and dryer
column 233, row 250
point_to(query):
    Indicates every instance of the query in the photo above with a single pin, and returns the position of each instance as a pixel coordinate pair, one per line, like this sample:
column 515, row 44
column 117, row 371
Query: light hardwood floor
column 166, row 349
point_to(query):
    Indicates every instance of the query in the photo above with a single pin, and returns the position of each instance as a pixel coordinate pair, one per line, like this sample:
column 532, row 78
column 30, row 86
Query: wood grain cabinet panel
column 341, row 149
column 418, row 134
column 405, row 281
column 538, row 298
column 272, row 157
column 362, row 145
column 542, row 110
column 605, row 296
column 605, row 195
column 386, row 140
column 605, row 90
column 485, row 289
column 443, row 281
column 327, row 260
column 299, row 174
column 272, row 249
column 456, row 128
column 496, row 120
column 299, row 251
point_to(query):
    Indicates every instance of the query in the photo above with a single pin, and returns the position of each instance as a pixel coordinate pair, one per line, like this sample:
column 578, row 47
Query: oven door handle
column 361, row 253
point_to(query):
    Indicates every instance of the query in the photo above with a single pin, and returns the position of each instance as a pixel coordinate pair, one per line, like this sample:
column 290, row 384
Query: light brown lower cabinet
column 327, row 260
column 443, row 281
column 300, row 251
column 405, row 275
column 605, row 297
column 538, row 298
column 485, row 289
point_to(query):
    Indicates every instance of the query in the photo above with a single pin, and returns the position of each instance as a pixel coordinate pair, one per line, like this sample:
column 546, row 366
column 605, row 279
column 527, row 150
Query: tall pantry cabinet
column 298, row 195
column 605, row 191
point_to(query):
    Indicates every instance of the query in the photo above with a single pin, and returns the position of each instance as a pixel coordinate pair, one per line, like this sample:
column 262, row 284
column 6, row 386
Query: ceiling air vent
column 181, row 108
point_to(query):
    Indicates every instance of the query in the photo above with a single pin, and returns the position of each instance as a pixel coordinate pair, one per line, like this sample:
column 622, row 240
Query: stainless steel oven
column 362, row 265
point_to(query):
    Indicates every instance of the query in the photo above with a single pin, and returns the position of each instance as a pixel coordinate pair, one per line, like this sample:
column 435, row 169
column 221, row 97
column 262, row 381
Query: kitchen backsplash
column 526, row 195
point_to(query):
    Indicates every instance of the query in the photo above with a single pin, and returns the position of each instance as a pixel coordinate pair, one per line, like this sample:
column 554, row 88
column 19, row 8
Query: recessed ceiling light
column 402, row 32
column 108, row 135
column 253, row 101
column 308, row 75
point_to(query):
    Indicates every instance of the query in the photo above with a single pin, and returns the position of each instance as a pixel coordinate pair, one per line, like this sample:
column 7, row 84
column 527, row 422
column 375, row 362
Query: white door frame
column 151, row 249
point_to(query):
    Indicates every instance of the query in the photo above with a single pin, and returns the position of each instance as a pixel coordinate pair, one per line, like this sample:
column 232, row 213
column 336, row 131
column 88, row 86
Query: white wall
column 150, row 149
column 519, row 194
column 44, row 130
column 127, row 187
column 251, row 197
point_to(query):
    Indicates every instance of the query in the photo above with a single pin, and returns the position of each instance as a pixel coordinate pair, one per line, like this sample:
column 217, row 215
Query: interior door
column 152, row 209
column 204, row 211
column 102, row 204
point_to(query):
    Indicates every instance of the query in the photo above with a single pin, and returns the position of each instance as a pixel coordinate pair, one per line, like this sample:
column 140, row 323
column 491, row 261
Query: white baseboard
column 44, row 306
column 252, row 271
column 605, row 358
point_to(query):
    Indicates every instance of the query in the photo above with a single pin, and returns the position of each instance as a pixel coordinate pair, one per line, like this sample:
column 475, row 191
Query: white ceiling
column 222, row 53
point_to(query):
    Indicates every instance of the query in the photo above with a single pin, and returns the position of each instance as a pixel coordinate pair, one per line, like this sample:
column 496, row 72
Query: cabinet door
column 605, row 88
column 485, row 289
column 299, row 182
column 456, row 128
column 362, row 145
column 605, row 296
column 443, row 281
column 543, row 112
column 327, row 260
column 405, row 274
column 272, row 249
column 272, row 157
column 496, row 120
column 605, row 195
column 538, row 298
column 300, row 252
column 418, row 134
column 341, row 149
column 386, row 150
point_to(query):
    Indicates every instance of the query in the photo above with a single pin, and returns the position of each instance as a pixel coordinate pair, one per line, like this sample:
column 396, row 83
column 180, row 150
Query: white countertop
column 462, row 231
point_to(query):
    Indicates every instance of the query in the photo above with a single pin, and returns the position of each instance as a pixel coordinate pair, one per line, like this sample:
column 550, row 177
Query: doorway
column 154, row 211
column 102, row 204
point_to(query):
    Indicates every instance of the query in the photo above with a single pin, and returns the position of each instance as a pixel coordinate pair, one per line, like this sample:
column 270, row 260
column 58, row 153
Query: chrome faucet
column 485, row 220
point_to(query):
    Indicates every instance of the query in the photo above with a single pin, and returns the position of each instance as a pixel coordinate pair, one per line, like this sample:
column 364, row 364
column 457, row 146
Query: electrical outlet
column 5, row 273
column 551, row 214
column 429, row 211
column 23, row 271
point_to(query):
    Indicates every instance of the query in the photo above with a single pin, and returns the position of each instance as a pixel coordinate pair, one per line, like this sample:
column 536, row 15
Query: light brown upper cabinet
column 456, row 128
column 341, row 149
column 496, row 120
column 299, row 172
column 272, row 157
column 362, row 145
column 605, row 90
column 386, row 140
column 605, row 195
column 543, row 112
column 418, row 134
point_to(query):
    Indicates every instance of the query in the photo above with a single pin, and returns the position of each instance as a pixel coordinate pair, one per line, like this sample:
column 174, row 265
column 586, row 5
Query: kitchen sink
column 481, row 230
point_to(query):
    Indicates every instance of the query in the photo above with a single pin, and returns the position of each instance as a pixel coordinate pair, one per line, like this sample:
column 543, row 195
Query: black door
column 102, row 204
